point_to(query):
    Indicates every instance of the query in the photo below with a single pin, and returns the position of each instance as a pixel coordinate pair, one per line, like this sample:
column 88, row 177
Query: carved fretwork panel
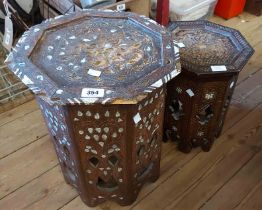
column 180, row 94
column 193, row 110
column 206, row 113
column 197, row 101
column 228, row 96
column 148, row 137
column 57, row 127
column 100, row 131
column 118, row 147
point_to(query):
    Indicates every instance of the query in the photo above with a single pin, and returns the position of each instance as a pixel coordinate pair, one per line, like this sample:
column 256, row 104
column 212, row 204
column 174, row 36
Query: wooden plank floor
column 227, row 177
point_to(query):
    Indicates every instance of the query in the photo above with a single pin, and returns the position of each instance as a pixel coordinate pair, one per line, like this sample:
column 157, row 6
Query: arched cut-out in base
column 108, row 186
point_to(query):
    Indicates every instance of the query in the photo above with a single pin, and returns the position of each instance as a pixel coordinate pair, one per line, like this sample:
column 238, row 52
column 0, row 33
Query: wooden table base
column 108, row 152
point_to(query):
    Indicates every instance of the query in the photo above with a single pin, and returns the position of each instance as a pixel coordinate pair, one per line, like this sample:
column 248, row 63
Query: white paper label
column 218, row 68
column 94, row 73
column 92, row 93
column 181, row 45
column 8, row 36
column 121, row 7
column 190, row 92
column 137, row 118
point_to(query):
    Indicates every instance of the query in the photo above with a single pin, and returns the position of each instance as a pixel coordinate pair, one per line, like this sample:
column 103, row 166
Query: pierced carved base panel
column 196, row 108
column 197, row 100
column 59, row 133
column 107, row 152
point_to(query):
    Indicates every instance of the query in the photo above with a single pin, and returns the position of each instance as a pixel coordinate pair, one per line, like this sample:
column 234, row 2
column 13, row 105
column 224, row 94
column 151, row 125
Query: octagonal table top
column 210, row 48
column 95, row 57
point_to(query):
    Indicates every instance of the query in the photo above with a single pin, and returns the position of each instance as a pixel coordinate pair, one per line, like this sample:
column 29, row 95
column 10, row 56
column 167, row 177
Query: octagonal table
column 99, row 78
column 197, row 100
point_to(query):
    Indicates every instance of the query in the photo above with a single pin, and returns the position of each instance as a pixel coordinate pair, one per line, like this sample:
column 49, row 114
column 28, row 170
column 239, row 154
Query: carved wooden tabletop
column 95, row 57
column 211, row 48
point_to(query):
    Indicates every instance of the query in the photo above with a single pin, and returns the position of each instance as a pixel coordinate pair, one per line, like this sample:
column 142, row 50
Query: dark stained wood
column 198, row 99
column 254, row 7
column 208, row 44
column 64, row 57
column 109, row 158
column 102, row 97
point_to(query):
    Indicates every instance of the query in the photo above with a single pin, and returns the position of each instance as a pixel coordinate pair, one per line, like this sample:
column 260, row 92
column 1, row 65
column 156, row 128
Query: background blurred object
column 229, row 8
column 23, row 14
column 52, row 8
column 254, row 7
column 92, row 3
column 12, row 91
column 162, row 15
column 77, row 2
column 183, row 10
column 191, row 9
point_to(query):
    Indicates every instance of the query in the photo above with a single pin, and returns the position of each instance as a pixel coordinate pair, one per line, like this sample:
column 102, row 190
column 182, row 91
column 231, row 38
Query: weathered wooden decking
column 227, row 177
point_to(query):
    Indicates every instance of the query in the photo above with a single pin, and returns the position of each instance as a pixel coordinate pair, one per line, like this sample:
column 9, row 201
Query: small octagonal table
column 197, row 100
column 99, row 78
